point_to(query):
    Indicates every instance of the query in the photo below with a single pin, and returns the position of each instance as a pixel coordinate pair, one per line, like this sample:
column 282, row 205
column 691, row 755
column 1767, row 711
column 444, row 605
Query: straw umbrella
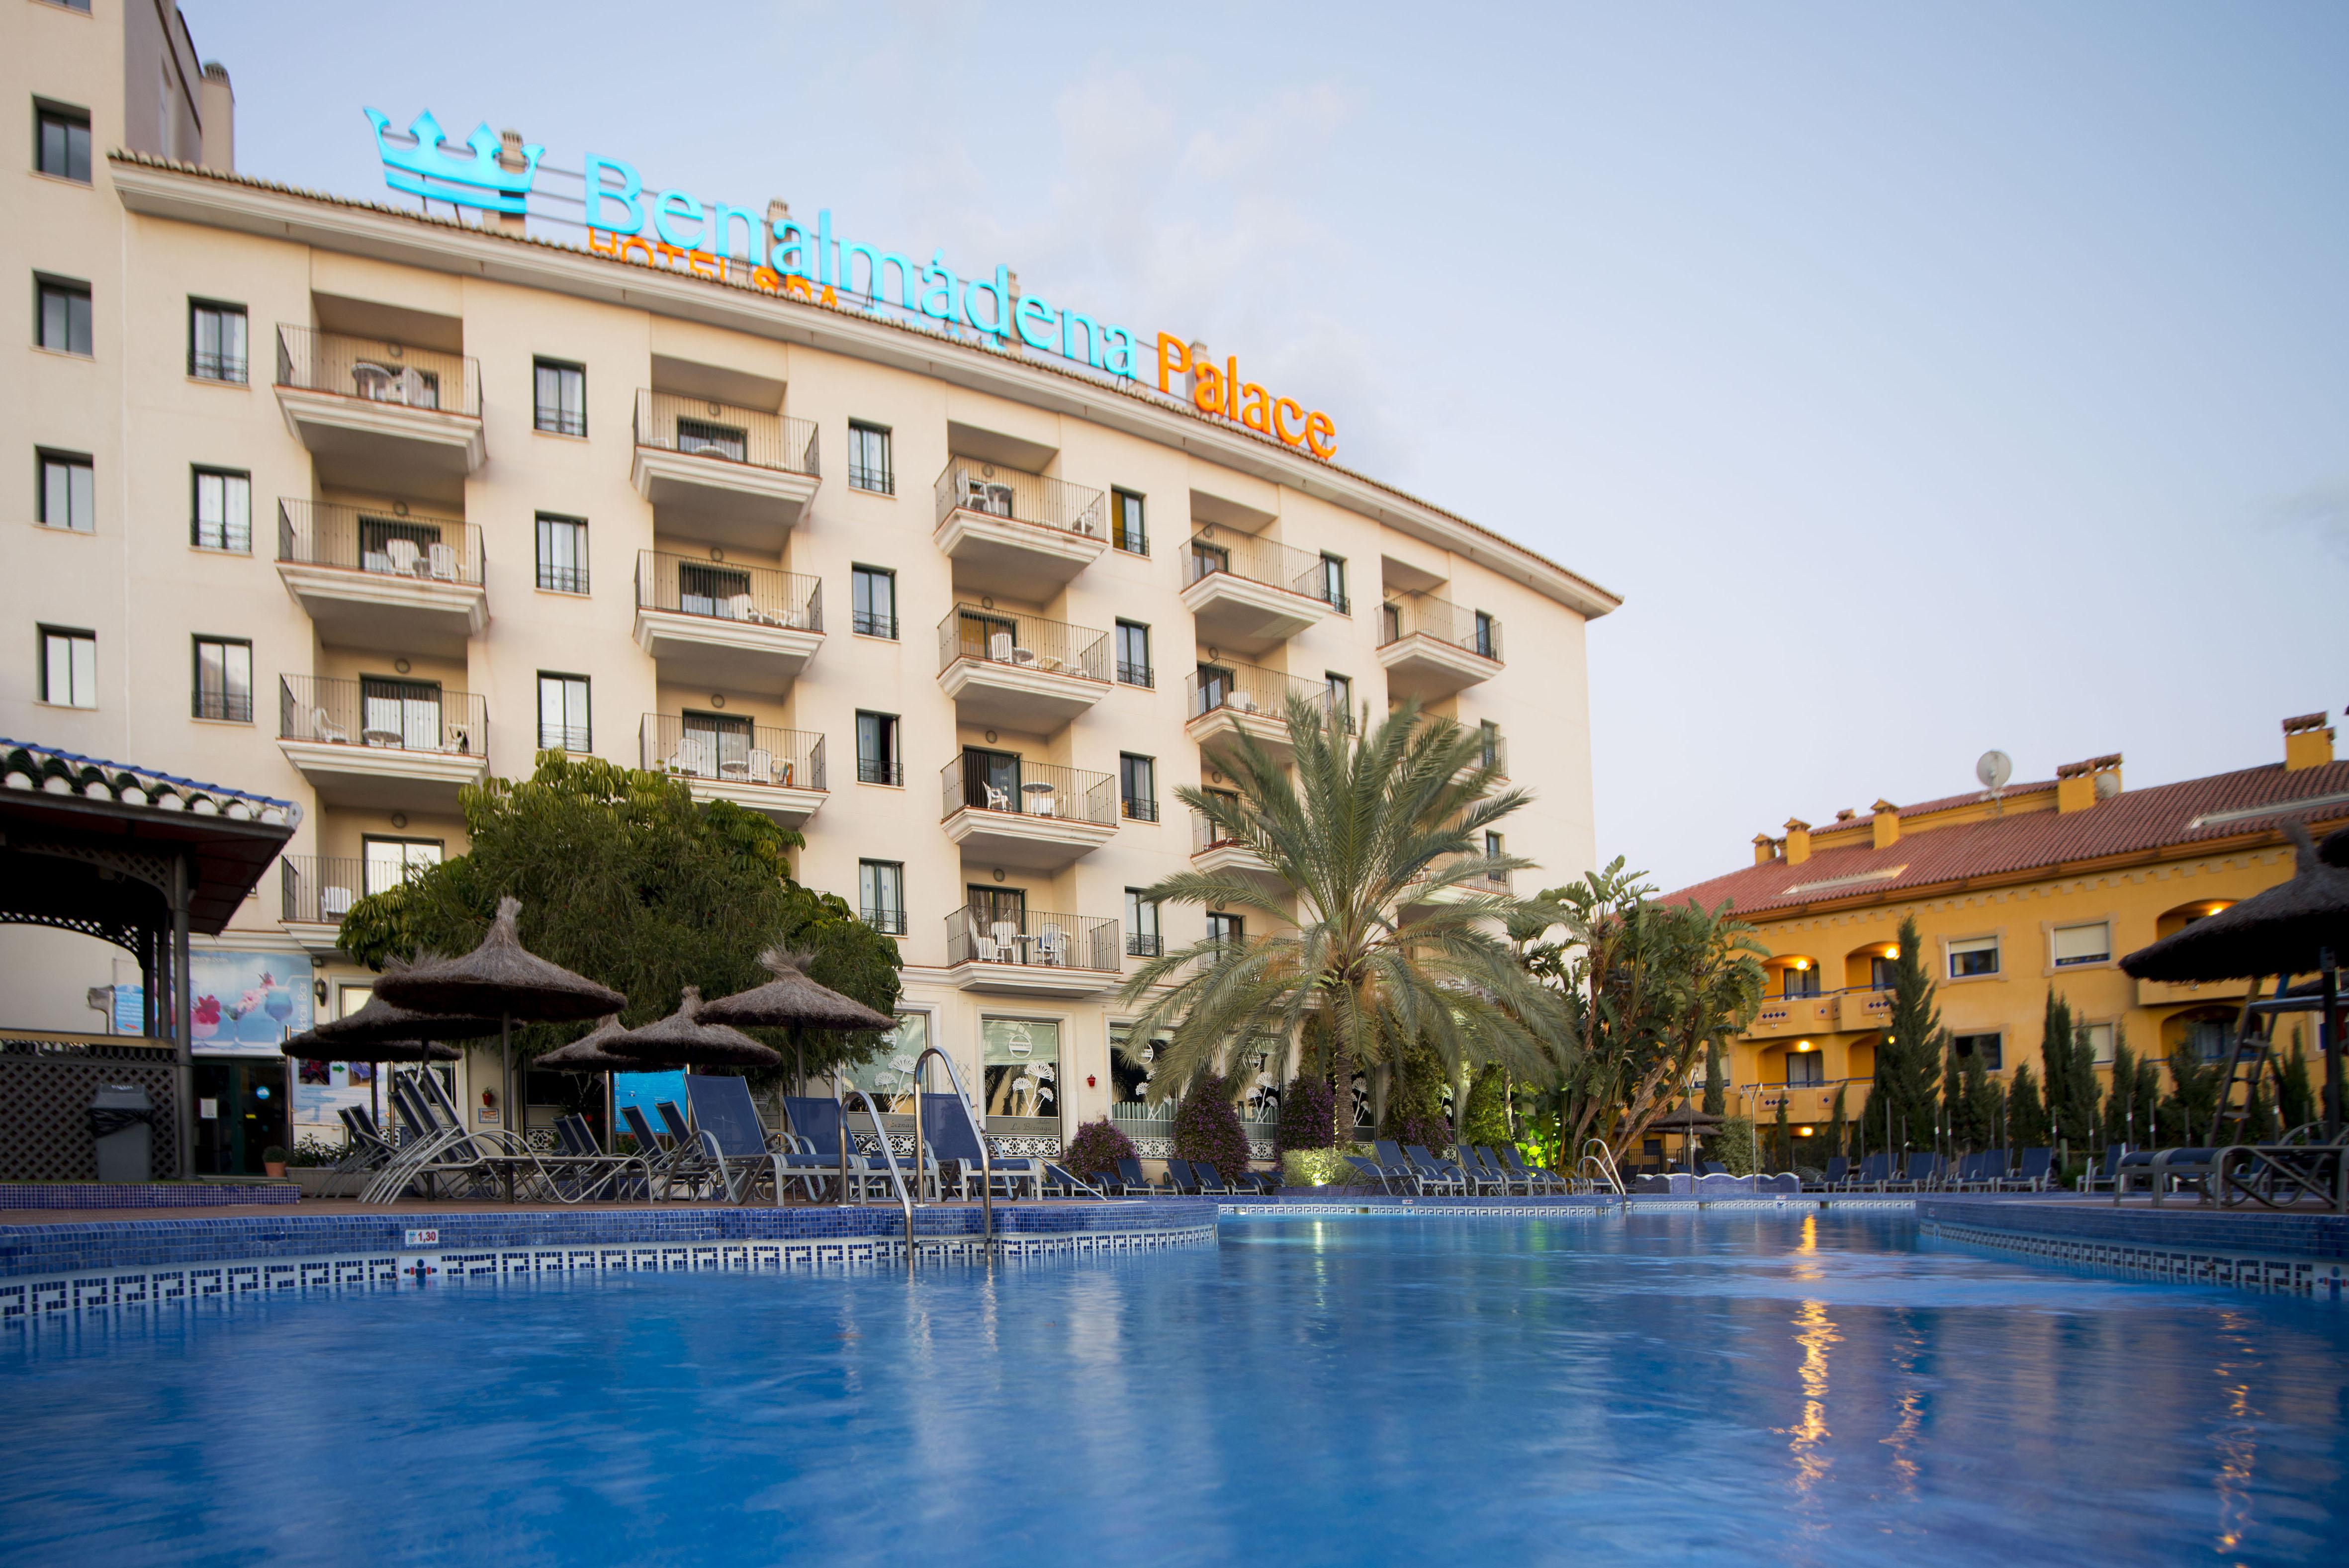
column 500, row 978
column 684, row 1039
column 374, row 1051
column 379, row 1024
column 794, row 1002
column 586, row 1054
column 2297, row 927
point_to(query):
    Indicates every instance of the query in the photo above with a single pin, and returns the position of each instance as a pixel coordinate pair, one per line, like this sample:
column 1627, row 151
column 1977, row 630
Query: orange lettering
column 1288, row 408
column 766, row 281
column 1255, row 410
column 1318, row 425
column 603, row 241
column 1208, row 391
column 1174, row 358
column 634, row 249
column 1231, row 409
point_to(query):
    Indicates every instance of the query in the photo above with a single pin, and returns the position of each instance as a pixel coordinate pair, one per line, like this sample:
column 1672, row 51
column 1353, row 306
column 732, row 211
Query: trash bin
column 121, row 1124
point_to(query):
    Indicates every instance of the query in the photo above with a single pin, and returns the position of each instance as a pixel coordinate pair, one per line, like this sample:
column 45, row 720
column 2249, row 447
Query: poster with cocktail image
column 246, row 1004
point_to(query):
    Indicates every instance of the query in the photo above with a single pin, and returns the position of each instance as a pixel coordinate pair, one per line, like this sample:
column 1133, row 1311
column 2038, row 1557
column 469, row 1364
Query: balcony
column 379, row 579
column 1252, row 593
column 379, row 416
column 383, row 744
column 1030, row 954
column 731, row 475
column 1256, row 701
column 778, row 773
column 1783, row 1017
column 1210, row 852
column 1864, row 1007
column 740, row 628
column 1031, row 815
column 315, row 893
column 2167, row 994
column 1432, row 648
column 1020, row 672
column 1014, row 534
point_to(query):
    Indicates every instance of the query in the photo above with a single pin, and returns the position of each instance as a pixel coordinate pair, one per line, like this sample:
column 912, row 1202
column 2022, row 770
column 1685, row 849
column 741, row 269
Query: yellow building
column 2035, row 886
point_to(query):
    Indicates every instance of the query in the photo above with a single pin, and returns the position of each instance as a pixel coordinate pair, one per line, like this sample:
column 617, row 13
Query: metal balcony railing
column 1001, row 934
column 393, row 715
column 1246, row 688
column 1494, row 752
column 1421, row 616
column 990, row 489
column 889, row 921
column 319, row 890
column 670, row 422
column 1022, row 642
column 732, row 751
column 1205, row 835
column 379, row 540
column 995, row 782
column 1265, row 561
column 376, row 370
column 696, row 585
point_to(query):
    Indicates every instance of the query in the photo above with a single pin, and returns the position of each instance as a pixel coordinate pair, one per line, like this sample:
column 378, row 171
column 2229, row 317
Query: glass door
column 400, row 713
column 980, row 636
column 990, row 780
column 716, row 739
column 710, row 590
column 1215, row 686
column 701, row 436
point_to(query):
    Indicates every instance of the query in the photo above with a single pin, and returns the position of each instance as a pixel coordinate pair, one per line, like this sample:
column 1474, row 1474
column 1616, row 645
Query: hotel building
column 354, row 504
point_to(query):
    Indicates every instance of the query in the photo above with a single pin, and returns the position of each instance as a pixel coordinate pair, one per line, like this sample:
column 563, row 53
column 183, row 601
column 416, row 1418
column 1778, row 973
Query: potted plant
column 273, row 1160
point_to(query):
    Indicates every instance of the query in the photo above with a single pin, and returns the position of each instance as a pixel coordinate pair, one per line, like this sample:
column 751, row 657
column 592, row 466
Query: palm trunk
column 1459, row 1106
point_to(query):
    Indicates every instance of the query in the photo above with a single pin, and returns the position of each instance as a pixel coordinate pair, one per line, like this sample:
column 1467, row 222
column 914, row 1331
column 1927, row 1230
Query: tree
column 2070, row 1061
column 2026, row 1117
column 625, row 877
column 1308, row 1113
column 1836, row 1124
column 2121, row 1113
column 1906, row 1092
column 1399, row 942
column 1973, row 1125
column 1782, row 1154
column 2194, row 1086
column 2295, row 1097
column 1953, row 1093
column 1488, row 1107
column 1207, row 1126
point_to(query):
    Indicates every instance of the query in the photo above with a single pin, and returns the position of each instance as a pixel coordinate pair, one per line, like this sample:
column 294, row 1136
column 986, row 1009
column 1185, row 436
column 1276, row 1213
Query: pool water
column 1739, row 1388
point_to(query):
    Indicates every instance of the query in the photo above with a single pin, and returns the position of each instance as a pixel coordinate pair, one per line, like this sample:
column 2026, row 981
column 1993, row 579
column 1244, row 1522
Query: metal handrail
column 1595, row 1156
column 986, row 1156
column 888, row 1153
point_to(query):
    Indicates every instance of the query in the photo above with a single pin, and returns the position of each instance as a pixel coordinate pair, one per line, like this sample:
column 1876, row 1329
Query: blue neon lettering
column 631, row 187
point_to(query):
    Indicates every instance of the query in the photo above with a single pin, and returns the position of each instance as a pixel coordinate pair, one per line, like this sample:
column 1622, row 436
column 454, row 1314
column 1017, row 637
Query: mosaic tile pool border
column 143, row 1195
column 2321, row 1279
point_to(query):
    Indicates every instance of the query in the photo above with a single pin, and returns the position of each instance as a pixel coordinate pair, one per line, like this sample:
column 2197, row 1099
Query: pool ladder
column 1600, row 1165
column 896, row 1179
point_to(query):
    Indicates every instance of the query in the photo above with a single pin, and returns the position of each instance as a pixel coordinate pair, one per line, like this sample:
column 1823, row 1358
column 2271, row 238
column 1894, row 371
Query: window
column 62, row 318
column 224, row 679
column 1333, row 582
column 1973, row 956
column 559, row 397
column 69, row 498
column 1338, row 697
column 404, row 713
column 868, row 460
column 880, row 895
column 1125, row 529
column 876, row 749
column 873, row 590
column 563, row 712
column 1133, row 654
column 707, row 437
column 1803, row 982
column 561, row 553
column 2211, row 1037
column 69, row 667
column 1494, row 848
column 216, row 341
column 61, row 142
column 1805, row 1068
column 1020, row 1058
column 721, row 591
column 1227, row 932
column 1991, row 1048
column 388, row 863
column 1137, row 787
column 1488, row 736
column 717, row 746
column 1881, row 971
column 1140, row 924
column 1488, row 635
column 2089, row 944
column 2100, row 1040
column 222, row 511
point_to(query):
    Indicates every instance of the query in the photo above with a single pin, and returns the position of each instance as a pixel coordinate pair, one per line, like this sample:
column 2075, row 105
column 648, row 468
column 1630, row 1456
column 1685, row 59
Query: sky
column 1925, row 379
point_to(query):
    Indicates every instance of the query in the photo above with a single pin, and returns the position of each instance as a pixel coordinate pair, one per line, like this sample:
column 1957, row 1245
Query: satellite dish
column 1995, row 769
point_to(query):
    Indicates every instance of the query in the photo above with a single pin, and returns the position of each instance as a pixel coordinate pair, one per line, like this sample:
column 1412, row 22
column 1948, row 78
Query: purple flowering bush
column 1096, row 1150
column 1207, row 1126
column 1308, row 1114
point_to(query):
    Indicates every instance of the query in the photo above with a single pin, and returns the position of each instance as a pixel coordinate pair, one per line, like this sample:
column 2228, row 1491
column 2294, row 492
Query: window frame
column 860, row 477
column 2055, row 960
column 241, row 374
column 69, row 289
column 1126, row 670
column 1956, row 947
column 1334, row 592
column 539, row 365
column 587, row 730
column 1137, row 542
column 893, row 922
column 1140, row 911
column 438, row 846
column 1226, row 932
column 76, row 639
column 887, row 768
column 44, row 458
column 1994, row 1060
column 197, row 474
column 198, row 642
column 1132, row 765
column 550, row 578
column 70, row 117
column 1815, row 1069
column 863, row 621
column 1488, row 640
column 1496, row 846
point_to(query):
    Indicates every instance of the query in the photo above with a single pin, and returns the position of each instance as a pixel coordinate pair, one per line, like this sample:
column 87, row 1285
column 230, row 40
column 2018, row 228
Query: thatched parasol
column 1685, row 1120
column 794, row 1002
column 683, row 1038
column 306, row 1048
column 379, row 1020
column 503, row 978
column 588, row 1054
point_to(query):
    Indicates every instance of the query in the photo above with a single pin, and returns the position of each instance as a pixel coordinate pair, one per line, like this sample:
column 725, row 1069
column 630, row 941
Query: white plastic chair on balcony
column 983, row 949
column 1006, row 936
column 325, row 728
column 334, row 902
column 693, row 756
column 417, row 390
column 441, row 562
column 999, row 648
column 1240, row 701
column 403, row 555
column 1052, row 948
column 998, row 799
column 735, row 607
column 762, row 765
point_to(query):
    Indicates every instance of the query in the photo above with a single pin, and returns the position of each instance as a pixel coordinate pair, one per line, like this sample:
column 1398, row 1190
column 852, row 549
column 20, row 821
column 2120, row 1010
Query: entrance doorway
column 247, row 1105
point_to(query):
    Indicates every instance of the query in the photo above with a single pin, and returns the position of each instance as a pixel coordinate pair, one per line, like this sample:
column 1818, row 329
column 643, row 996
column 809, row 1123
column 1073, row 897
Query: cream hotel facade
column 356, row 501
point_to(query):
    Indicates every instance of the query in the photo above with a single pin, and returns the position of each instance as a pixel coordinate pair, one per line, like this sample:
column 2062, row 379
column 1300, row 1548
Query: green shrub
column 1732, row 1146
column 1320, row 1167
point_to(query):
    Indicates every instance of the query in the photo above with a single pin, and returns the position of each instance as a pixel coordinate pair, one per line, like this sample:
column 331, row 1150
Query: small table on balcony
column 1040, row 798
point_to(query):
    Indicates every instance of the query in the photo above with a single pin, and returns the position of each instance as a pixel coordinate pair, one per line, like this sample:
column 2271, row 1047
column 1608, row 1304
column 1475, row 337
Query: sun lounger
column 1538, row 1177
column 1208, row 1179
column 2108, row 1175
column 1837, row 1169
column 1180, row 1183
column 1442, row 1174
column 2033, row 1173
column 1131, row 1181
column 949, row 1131
column 734, row 1141
column 1369, row 1170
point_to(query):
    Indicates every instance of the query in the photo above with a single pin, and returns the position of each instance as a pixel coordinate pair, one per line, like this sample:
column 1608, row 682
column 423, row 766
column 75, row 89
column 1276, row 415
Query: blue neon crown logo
column 431, row 169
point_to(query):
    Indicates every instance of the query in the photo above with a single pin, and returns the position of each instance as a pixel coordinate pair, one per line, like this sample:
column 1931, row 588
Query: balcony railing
column 670, row 422
column 1246, row 688
column 981, row 934
column 989, row 782
column 378, row 541
column 375, row 370
column 1021, row 642
column 1261, row 561
column 1143, row 945
column 694, row 585
column 731, row 753
column 1420, row 615
column 1205, row 835
column 319, row 890
column 393, row 715
column 990, row 489
column 1494, row 752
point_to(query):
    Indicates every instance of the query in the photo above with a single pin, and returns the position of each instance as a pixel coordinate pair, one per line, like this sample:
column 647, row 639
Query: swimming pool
column 1748, row 1387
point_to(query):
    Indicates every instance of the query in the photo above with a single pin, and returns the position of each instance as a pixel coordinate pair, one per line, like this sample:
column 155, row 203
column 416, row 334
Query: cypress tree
column 2296, row 1098
column 2120, row 1108
column 2084, row 1094
column 2194, row 1095
column 1835, row 1138
column 2259, row 1116
column 1970, row 1125
column 1908, row 1059
column 2055, row 1062
column 1952, row 1096
column 2147, row 1098
column 2026, row 1117
column 1780, row 1138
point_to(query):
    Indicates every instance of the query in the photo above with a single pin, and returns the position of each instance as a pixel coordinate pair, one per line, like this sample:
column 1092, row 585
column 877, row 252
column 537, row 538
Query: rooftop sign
column 780, row 255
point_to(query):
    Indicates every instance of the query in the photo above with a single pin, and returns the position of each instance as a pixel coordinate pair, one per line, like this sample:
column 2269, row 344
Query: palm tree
column 1379, row 854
